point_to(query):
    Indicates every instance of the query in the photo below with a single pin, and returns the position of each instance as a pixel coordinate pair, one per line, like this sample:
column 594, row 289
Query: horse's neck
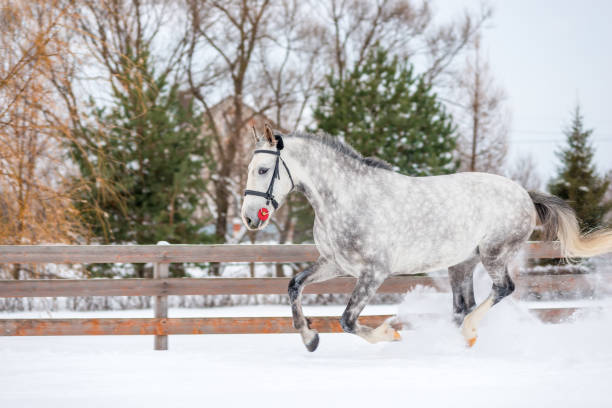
column 316, row 172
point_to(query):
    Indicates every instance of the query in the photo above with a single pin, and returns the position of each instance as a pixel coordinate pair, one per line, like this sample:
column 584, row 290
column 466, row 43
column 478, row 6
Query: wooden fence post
column 160, row 271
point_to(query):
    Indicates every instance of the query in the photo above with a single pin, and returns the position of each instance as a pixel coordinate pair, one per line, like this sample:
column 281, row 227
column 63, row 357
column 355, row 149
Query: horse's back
column 481, row 197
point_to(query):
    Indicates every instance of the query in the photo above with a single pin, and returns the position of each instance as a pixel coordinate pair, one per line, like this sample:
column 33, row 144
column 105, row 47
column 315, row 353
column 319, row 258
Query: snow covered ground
column 517, row 361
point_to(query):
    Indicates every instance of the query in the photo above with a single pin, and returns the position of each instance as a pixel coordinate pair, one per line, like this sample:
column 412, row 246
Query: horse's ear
column 253, row 131
column 268, row 134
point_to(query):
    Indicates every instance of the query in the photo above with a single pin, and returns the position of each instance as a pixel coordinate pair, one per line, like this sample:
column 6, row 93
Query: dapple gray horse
column 371, row 223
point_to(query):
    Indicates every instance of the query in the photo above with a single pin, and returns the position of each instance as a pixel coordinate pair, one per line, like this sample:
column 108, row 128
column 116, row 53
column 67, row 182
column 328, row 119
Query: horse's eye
column 262, row 171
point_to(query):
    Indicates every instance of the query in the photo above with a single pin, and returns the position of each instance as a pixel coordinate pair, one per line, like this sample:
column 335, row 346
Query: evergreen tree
column 577, row 181
column 383, row 109
column 142, row 161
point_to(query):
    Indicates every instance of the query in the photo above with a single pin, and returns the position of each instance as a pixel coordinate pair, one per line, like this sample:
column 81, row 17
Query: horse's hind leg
column 364, row 290
column 318, row 272
column 495, row 259
column 462, row 285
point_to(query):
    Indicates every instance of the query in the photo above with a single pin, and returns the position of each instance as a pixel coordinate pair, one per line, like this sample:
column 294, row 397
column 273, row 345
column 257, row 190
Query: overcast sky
column 548, row 55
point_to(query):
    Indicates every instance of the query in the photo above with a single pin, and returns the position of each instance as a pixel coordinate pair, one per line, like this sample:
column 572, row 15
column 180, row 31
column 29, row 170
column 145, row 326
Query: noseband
column 268, row 195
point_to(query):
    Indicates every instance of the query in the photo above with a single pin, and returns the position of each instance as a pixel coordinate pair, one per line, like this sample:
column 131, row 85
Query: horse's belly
column 429, row 246
column 432, row 256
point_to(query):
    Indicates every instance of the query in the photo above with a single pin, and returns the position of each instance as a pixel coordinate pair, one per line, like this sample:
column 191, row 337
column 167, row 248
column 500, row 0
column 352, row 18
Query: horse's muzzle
column 252, row 223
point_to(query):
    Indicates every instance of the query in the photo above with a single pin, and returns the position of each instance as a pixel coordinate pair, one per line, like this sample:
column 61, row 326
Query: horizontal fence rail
column 204, row 325
column 71, row 254
column 268, row 286
column 190, row 286
column 209, row 325
column 161, row 287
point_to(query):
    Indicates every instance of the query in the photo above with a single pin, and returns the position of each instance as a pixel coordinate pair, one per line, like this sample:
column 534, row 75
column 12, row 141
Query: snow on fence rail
column 160, row 287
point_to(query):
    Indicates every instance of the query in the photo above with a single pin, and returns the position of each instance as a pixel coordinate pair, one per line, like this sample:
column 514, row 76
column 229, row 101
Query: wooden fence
column 160, row 287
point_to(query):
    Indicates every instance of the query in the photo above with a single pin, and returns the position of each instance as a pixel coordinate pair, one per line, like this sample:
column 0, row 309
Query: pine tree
column 142, row 161
column 577, row 181
column 383, row 109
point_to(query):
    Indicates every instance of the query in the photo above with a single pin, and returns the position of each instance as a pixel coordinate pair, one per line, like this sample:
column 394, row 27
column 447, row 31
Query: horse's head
column 268, row 181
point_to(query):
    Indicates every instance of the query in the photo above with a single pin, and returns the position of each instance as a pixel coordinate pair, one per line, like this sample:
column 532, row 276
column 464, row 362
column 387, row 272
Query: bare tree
column 482, row 116
column 524, row 171
column 228, row 33
column 288, row 69
column 351, row 28
column 35, row 193
column 113, row 30
column 348, row 30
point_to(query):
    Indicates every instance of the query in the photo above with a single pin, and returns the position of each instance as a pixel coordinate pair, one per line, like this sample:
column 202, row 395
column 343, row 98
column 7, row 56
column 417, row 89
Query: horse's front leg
column 322, row 270
column 364, row 290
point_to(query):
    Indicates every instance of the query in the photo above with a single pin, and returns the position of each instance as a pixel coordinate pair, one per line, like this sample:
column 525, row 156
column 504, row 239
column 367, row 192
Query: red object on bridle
column 263, row 214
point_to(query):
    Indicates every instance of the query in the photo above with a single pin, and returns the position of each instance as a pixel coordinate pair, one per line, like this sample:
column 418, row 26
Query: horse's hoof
column 396, row 336
column 384, row 332
column 312, row 344
column 471, row 342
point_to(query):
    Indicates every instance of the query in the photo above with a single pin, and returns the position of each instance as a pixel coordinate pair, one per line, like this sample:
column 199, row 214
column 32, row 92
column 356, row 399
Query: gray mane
column 344, row 148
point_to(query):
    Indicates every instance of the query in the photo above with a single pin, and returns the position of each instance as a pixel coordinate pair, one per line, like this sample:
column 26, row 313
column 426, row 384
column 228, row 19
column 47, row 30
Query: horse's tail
column 559, row 219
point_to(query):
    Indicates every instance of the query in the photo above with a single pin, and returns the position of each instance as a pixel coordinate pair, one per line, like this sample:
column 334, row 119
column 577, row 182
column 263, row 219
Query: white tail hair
column 559, row 219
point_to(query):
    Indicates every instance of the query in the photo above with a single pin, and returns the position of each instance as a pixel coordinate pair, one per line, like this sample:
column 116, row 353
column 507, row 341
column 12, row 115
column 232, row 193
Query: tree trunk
column 474, row 141
column 475, row 119
column 16, row 271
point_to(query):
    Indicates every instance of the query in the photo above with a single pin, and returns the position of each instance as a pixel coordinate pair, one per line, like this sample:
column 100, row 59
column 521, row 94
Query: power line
column 554, row 132
column 596, row 141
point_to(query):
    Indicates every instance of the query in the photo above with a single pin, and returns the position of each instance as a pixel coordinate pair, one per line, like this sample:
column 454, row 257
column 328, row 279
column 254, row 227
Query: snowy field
column 517, row 362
